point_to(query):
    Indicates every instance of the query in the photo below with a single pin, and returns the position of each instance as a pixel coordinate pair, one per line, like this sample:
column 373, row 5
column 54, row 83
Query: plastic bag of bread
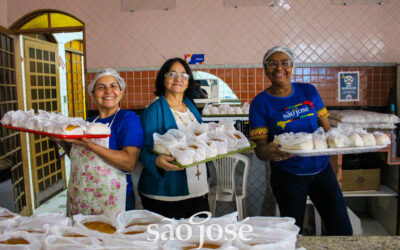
column 246, row 108
column 336, row 138
column 98, row 226
column 231, row 110
column 170, row 138
column 39, row 225
column 8, row 220
column 97, row 128
column 239, row 140
column 214, row 111
column 69, row 129
column 196, row 131
column 162, row 142
column 221, row 142
column 211, row 148
column 133, row 224
column 68, row 232
column 368, row 138
column 319, row 139
column 206, row 110
column 57, row 242
column 355, row 139
column 117, row 243
column 195, row 243
column 229, row 125
column 6, row 214
column 296, row 141
column 19, row 240
column 238, row 111
column 182, row 153
column 134, row 218
column 215, row 129
column 381, row 138
column 223, row 109
column 269, row 239
column 199, row 149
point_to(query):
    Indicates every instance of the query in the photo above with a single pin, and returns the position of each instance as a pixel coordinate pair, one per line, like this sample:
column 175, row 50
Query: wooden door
column 13, row 147
column 75, row 88
column 43, row 92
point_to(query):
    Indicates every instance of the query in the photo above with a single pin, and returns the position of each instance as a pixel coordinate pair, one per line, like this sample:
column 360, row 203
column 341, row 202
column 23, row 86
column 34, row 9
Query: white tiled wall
column 317, row 30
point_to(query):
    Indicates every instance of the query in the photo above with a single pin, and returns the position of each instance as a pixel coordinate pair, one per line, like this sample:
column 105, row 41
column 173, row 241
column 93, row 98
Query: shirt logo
column 295, row 112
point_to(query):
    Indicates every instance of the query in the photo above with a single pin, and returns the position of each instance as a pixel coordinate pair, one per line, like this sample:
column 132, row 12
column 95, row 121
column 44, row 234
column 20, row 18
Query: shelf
column 383, row 191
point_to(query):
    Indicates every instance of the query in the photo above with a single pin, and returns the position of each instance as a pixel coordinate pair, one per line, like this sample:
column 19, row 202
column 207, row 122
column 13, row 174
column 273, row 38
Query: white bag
column 319, row 139
column 33, row 242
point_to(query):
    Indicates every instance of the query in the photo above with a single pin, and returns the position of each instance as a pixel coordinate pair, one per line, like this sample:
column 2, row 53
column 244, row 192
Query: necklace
column 97, row 117
column 177, row 114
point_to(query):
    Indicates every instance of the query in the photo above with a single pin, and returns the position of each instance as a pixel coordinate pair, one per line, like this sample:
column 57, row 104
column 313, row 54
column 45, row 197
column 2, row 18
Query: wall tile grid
column 375, row 84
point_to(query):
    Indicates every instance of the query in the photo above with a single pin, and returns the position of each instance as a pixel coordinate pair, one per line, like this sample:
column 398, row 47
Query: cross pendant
column 198, row 173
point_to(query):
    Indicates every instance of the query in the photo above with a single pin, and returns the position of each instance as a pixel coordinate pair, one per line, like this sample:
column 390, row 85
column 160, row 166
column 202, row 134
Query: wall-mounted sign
column 194, row 58
column 349, row 86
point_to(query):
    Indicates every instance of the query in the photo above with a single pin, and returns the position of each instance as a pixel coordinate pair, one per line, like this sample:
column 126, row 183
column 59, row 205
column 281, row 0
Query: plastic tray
column 334, row 151
column 55, row 135
column 252, row 145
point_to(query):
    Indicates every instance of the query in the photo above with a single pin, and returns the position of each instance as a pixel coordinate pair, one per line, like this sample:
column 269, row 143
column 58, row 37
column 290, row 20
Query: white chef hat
column 285, row 50
column 107, row 72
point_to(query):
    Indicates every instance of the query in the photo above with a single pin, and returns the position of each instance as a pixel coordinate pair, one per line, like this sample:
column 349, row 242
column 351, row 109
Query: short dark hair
column 160, row 87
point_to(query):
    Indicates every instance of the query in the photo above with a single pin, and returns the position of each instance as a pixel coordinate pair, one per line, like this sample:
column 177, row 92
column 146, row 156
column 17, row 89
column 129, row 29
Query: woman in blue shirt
column 291, row 107
column 100, row 180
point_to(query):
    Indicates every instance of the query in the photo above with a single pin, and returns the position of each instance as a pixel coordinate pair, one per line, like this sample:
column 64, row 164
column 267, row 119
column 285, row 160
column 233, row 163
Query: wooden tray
column 55, row 135
column 252, row 145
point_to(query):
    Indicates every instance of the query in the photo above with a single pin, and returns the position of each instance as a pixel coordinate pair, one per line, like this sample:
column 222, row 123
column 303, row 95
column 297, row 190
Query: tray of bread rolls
column 252, row 145
column 61, row 136
column 334, row 151
column 54, row 125
column 201, row 143
column 334, row 142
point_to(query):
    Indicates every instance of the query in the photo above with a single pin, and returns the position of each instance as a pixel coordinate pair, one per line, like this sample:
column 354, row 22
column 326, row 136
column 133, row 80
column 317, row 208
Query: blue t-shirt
column 299, row 112
column 126, row 130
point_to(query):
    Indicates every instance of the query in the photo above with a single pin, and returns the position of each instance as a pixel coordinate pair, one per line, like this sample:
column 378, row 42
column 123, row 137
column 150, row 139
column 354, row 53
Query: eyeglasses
column 177, row 75
column 273, row 64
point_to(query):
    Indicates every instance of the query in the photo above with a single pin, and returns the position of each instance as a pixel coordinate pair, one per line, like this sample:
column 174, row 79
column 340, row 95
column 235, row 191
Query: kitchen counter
column 349, row 242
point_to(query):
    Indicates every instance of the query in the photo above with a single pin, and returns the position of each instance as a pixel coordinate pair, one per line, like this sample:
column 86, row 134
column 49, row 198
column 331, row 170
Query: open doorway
column 47, row 64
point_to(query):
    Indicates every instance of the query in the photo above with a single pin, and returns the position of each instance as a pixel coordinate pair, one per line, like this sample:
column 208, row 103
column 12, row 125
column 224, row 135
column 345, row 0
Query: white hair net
column 285, row 50
column 107, row 72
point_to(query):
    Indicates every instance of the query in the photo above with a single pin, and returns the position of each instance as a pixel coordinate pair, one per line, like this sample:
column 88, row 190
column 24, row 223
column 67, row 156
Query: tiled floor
column 54, row 205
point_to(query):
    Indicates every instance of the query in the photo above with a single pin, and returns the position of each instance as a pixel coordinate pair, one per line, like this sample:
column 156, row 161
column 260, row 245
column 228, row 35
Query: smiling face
column 176, row 84
column 277, row 69
column 107, row 93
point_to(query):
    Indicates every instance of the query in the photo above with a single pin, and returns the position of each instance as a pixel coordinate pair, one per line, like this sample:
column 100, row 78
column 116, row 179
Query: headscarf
column 107, row 72
column 285, row 50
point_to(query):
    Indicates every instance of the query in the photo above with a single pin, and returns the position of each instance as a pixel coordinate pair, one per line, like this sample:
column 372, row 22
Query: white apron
column 95, row 187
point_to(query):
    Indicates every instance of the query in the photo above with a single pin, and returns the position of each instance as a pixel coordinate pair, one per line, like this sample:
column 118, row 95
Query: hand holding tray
column 56, row 135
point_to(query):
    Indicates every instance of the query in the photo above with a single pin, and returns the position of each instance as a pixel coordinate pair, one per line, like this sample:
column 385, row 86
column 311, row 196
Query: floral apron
column 95, row 187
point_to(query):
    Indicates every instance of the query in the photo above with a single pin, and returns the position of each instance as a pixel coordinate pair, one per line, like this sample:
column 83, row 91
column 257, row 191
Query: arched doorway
column 41, row 81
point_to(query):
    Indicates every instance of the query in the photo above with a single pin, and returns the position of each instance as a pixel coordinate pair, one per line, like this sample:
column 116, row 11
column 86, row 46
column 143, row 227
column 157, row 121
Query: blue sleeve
column 130, row 131
column 258, row 120
column 149, row 119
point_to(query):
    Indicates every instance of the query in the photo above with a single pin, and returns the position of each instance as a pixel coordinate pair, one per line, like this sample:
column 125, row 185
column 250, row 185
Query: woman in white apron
column 100, row 180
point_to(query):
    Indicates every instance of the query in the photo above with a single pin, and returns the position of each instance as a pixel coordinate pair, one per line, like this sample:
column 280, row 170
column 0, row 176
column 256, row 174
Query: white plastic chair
column 226, row 189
